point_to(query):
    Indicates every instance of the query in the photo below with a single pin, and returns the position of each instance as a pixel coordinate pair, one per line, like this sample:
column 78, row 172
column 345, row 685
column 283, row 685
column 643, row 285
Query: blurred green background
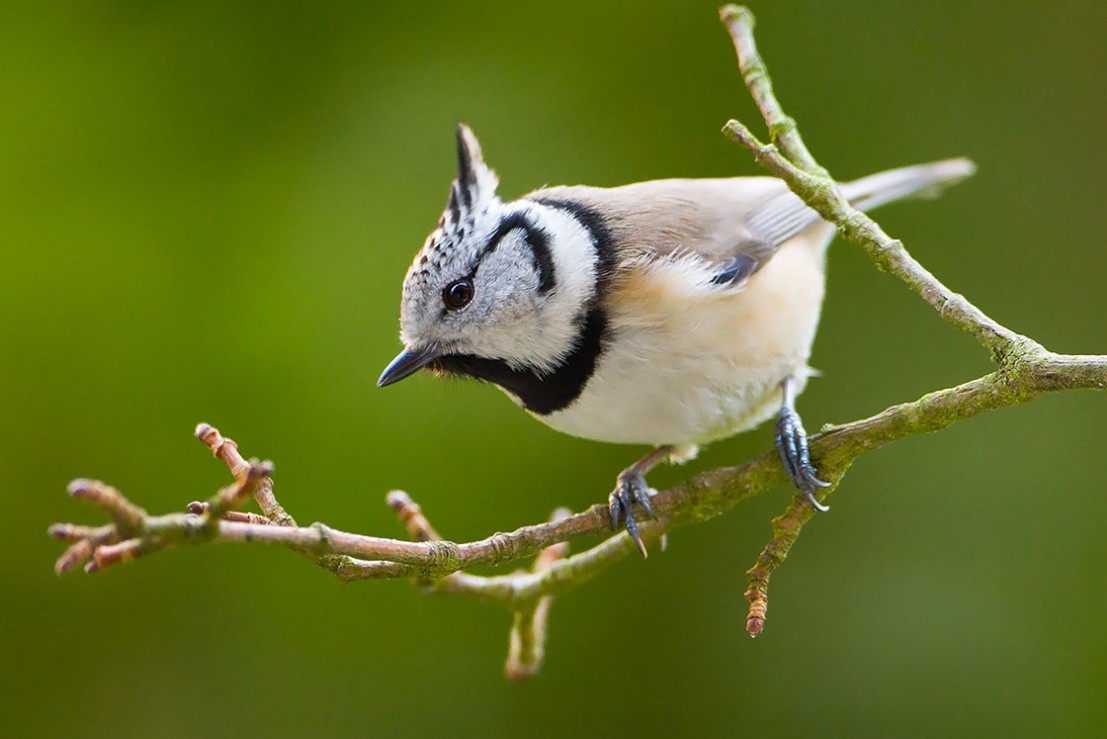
column 207, row 212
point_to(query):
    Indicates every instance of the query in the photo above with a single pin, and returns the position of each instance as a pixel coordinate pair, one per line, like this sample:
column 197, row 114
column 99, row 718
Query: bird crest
column 471, row 196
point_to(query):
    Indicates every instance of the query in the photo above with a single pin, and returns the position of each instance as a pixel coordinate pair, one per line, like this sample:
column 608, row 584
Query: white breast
column 688, row 363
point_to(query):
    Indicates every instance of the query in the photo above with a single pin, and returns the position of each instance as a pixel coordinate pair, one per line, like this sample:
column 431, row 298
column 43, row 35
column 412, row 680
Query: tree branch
column 788, row 158
column 1024, row 371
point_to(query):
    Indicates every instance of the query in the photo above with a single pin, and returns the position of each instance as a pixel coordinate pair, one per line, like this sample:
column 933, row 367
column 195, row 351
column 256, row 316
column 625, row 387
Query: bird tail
column 920, row 180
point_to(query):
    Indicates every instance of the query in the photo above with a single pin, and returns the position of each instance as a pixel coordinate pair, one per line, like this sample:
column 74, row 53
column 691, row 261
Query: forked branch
column 1024, row 370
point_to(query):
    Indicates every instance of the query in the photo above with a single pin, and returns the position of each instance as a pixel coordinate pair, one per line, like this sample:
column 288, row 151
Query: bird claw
column 630, row 488
column 791, row 443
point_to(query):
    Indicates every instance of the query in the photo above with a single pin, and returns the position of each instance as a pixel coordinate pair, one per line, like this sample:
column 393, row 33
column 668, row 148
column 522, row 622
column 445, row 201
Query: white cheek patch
column 574, row 257
column 503, row 320
column 561, row 312
column 531, row 329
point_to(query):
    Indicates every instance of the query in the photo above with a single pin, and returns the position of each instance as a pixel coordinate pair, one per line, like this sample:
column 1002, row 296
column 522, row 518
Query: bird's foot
column 791, row 443
column 630, row 488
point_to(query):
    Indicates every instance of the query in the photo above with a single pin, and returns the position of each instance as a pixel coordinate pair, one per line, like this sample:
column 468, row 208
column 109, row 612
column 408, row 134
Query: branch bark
column 1024, row 370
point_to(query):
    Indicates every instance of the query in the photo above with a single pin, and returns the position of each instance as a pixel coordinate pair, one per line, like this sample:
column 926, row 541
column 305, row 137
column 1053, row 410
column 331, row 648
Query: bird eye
column 458, row 294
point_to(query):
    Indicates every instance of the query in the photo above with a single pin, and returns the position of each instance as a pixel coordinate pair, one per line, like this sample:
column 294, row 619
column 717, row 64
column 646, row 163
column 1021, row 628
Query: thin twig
column 786, row 528
column 703, row 497
column 782, row 128
column 226, row 450
column 527, row 640
column 889, row 255
column 794, row 164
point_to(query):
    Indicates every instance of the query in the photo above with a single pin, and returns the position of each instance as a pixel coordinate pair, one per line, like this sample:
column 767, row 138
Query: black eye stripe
column 596, row 226
column 535, row 238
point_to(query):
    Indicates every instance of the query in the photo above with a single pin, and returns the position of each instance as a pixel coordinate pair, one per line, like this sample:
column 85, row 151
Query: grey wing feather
column 737, row 224
column 920, row 180
column 784, row 216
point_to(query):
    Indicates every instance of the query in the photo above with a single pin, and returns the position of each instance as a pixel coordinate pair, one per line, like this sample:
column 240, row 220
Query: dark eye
column 458, row 294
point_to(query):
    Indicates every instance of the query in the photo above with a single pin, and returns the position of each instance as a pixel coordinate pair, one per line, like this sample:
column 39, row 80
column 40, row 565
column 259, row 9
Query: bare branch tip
column 60, row 531
column 759, row 604
column 560, row 514
column 73, row 556
column 740, row 134
column 411, row 515
column 260, row 469
column 732, row 14
column 398, row 500
column 82, row 487
column 213, row 439
column 519, row 672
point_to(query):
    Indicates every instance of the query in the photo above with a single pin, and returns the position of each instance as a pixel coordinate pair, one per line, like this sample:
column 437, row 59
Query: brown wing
column 737, row 224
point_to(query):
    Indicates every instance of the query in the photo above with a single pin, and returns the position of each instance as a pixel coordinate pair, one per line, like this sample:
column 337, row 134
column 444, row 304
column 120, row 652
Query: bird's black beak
column 408, row 363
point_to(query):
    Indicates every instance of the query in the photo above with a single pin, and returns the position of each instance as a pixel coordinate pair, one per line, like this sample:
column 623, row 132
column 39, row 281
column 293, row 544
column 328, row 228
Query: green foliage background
column 207, row 209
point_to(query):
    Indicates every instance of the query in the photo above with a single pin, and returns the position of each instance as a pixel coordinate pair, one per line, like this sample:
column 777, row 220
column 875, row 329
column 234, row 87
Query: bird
column 669, row 313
